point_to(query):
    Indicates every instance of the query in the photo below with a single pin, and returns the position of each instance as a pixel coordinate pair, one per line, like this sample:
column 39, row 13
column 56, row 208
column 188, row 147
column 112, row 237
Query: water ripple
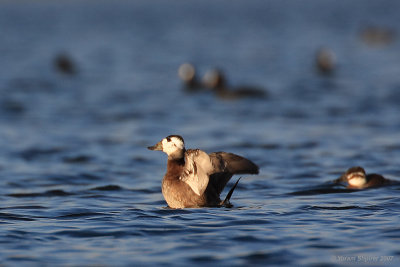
column 35, row 153
column 108, row 188
column 81, row 215
column 341, row 208
column 49, row 193
column 93, row 233
column 34, row 207
column 14, row 217
column 319, row 191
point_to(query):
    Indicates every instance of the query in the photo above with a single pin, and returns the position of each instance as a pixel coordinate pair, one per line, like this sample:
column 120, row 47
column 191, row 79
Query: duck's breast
column 178, row 195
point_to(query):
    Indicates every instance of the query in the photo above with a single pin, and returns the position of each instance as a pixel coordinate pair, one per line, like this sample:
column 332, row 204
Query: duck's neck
column 175, row 167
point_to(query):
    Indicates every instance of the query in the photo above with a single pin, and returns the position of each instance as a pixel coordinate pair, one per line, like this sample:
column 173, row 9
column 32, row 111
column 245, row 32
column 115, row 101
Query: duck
column 356, row 178
column 377, row 35
column 215, row 80
column 196, row 179
column 64, row 64
column 325, row 61
column 187, row 73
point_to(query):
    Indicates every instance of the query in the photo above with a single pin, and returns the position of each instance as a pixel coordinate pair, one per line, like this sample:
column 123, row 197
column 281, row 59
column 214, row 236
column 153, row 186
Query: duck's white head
column 214, row 79
column 356, row 177
column 172, row 145
column 186, row 72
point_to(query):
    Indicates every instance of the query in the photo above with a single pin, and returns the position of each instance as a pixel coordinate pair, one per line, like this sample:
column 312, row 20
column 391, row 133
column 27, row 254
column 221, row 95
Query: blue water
column 78, row 186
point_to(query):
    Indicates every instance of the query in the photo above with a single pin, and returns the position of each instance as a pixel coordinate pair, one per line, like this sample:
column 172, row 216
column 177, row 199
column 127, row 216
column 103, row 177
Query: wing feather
column 197, row 169
column 232, row 163
column 226, row 165
column 202, row 169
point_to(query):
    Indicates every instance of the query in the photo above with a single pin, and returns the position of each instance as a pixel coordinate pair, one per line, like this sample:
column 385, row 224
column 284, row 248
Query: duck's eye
column 168, row 139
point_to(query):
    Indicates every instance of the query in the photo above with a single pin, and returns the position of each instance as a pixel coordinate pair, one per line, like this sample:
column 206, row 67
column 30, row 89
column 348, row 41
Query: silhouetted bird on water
column 377, row 36
column 65, row 64
column 325, row 61
column 187, row 73
column 216, row 81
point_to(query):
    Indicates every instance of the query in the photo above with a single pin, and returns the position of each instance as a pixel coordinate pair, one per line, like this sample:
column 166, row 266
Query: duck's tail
column 226, row 202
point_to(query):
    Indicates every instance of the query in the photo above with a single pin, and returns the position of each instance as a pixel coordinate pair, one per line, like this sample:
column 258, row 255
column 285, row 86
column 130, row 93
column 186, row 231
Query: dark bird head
column 325, row 61
column 63, row 63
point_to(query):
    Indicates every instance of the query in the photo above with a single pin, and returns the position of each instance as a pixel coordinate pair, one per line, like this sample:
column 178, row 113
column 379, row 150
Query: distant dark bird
column 216, row 81
column 187, row 73
column 325, row 61
column 356, row 178
column 195, row 178
column 64, row 64
column 377, row 36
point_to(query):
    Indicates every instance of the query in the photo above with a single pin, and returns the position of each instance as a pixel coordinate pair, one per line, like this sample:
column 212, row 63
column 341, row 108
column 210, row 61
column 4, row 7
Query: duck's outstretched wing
column 232, row 163
column 197, row 169
column 225, row 165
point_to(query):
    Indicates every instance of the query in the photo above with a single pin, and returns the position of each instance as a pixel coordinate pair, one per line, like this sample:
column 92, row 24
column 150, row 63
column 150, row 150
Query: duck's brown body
column 179, row 194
